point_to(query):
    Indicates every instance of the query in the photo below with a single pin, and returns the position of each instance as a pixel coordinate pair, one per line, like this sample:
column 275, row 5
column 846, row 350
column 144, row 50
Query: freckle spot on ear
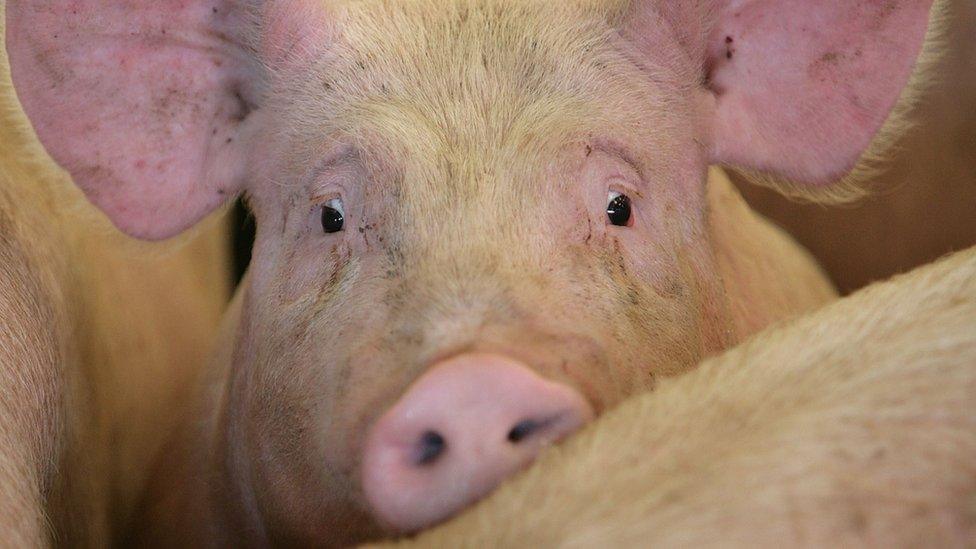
column 830, row 57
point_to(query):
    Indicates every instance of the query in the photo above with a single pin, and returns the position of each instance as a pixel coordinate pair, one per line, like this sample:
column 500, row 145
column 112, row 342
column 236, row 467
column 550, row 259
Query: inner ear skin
column 801, row 91
column 146, row 104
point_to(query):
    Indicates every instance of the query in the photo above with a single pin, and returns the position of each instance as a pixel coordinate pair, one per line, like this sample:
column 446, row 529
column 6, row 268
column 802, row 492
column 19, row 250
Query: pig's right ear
column 796, row 89
column 801, row 88
column 146, row 103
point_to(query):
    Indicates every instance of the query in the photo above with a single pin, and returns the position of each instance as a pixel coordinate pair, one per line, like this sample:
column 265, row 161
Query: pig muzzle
column 459, row 431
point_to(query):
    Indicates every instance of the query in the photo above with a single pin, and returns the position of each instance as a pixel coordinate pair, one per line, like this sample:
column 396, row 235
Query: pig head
column 480, row 223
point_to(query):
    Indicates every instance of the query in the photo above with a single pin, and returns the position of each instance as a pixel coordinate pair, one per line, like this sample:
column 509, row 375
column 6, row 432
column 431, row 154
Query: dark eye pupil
column 618, row 210
column 332, row 220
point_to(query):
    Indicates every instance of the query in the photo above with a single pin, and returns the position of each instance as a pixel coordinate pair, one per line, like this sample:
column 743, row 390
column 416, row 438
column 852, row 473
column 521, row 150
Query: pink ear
column 802, row 86
column 144, row 102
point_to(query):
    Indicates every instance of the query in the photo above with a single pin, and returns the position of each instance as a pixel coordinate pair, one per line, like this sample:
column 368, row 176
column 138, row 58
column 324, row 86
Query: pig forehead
column 412, row 27
column 477, row 76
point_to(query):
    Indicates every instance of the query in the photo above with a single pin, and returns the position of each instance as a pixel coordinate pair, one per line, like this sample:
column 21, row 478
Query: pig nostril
column 524, row 429
column 432, row 446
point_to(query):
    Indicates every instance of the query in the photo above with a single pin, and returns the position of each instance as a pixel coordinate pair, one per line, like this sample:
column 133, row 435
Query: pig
column 99, row 340
column 851, row 426
column 480, row 223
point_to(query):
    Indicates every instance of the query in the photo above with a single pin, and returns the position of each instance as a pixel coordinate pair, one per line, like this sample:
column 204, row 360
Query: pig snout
column 458, row 432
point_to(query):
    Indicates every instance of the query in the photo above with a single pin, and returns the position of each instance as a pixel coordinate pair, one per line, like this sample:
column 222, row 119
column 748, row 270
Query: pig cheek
column 683, row 276
column 299, row 421
column 337, row 338
column 297, row 388
column 650, row 251
column 364, row 386
column 578, row 301
column 312, row 268
column 650, row 312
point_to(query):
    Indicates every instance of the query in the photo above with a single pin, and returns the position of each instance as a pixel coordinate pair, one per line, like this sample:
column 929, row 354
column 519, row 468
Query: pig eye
column 618, row 209
column 333, row 216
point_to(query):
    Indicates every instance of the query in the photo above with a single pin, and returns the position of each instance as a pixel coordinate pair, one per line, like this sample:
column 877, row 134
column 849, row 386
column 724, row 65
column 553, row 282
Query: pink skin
column 147, row 112
column 460, row 429
column 475, row 204
column 828, row 55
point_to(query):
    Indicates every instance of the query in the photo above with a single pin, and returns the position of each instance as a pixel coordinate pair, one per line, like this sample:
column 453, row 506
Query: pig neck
column 767, row 276
column 128, row 327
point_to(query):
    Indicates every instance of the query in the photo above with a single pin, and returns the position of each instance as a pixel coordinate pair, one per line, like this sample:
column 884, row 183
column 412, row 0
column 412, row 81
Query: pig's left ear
column 800, row 88
column 146, row 103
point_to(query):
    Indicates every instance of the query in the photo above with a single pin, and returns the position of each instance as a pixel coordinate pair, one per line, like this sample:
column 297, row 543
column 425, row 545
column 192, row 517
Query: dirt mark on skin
column 830, row 57
column 729, row 48
column 883, row 13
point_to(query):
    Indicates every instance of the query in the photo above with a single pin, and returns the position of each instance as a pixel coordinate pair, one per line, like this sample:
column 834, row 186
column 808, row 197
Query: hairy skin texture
column 98, row 341
column 850, row 426
column 473, row 144
column 454, row 256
